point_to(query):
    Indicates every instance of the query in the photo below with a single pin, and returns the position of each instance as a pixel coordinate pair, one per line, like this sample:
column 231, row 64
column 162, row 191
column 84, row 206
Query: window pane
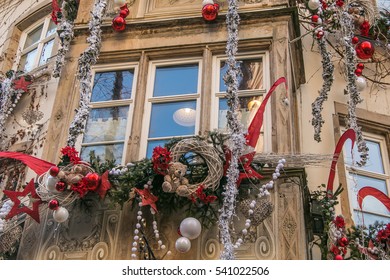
column 174, row 80
column 369, row 203
column 374, row 163
column 252, row 74
column 152, row 144
column 173, row 119
column 33, row 37
column 46, row 52
column 115, row 85
column 368, row 219
column 51, row 29
column 27, row 61
column 105, row 152
column 106, row 124
column 248, row 109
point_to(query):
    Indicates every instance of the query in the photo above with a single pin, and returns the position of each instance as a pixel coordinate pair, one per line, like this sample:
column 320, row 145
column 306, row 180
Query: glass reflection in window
column 115, row 85
column 104, row 152
column 251, row 74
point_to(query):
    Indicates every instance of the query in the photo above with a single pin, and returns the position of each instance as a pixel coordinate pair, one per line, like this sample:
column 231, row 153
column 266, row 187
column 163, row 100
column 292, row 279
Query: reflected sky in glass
column 115, row 85
column 105, row 152
column 106, row 124
column 46, row 52
column 163, row 123
column 374, row 163
column 33, row 36
column 252, row 74
column 27, row 60
column 175, row 80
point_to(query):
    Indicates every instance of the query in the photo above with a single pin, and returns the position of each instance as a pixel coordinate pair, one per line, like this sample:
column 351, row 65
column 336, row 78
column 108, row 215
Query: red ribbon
column 257, row 122
column 366, row 191
column 55, row 10
column 39, row 166
column 349, row 134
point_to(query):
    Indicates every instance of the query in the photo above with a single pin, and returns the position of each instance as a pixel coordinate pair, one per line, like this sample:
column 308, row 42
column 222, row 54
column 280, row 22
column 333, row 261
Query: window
column 252, row 87
column 374, row 174
column 107, row 128
column 37, row 45
column 172, row 107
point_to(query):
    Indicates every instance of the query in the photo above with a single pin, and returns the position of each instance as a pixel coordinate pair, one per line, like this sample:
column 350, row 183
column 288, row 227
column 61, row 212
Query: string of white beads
column 264, row 189
column 134, row 249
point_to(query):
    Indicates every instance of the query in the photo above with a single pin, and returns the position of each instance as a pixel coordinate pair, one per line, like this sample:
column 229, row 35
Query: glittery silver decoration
column 32, row 116
column 87, row 59
column 66, row 34
column 237, row 139
column 327, row 76
column 347, row 28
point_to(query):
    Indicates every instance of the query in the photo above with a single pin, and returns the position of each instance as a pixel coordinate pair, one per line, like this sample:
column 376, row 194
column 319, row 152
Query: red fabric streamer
column 55, row 10
column 349, row 134
column 257, row 122
column 39, row 166
column 367, row 190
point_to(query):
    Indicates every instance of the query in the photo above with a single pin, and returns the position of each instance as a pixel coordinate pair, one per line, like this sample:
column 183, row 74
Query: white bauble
column 119, row 3
column 314, row 4
column 190, row 228
column 361, row 83
column 206, row 2
column 51, row 183
column 183, row 244
column 60, row 215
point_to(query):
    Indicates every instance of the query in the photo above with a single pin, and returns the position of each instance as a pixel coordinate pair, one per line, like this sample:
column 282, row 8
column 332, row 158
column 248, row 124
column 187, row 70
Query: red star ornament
column 147, row 198
column 16, row 209
column 246, row 161
column 104, row 185
column 22, row 84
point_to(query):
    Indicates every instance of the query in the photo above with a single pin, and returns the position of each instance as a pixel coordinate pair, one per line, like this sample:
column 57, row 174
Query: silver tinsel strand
column 66, row 35
column 347, row 27
column 237, row 139
column 327, row 76
column 87, row 59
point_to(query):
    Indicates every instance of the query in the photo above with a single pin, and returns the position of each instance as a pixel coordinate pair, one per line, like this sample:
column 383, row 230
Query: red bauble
column 92, row 180
column 338, row 257
column 54, row 171
column 340, row 3
column 210, row 12
column 355, row 40
column 60, row 186
column 54, row 204
column 320, row 34
column 360, row 66
column 315, row 18
column 365, row 50
column 343, row 241
column 118, row 23
column 124, row 12
column 358, row 72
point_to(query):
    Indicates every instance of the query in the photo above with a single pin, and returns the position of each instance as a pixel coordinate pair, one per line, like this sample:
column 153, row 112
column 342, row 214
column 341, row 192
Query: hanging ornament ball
column 355, row 40
column 210, row 12
column 361, row 83
column 338, row 257
column 51, row 183
column 358, row 72
column 207, row 2
column 183, row 244
column 315, row 18
column 92, row 179
column 339, row 3
column 314, row 4
column 54, row 170
column 54, row 204
column 118, row 23
column 343, row 241
column 365, row 50
column 119, row 3
column 190, row 228
column 60, row 215
column 320, row 34
column 124, row 12
column 360, row 66
column 60, row 186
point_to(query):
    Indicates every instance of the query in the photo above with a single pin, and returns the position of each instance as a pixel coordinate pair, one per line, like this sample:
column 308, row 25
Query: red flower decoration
column 335, row 250
column 364, row 28
column 382, row 236
column 202, row 196
column 339, row 222
column 161, row 158
column 71, row 153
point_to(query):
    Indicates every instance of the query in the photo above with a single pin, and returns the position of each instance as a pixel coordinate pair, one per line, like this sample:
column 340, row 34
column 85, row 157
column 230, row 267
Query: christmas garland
column 87, row 59
column 237, row 139
column 66, row 26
